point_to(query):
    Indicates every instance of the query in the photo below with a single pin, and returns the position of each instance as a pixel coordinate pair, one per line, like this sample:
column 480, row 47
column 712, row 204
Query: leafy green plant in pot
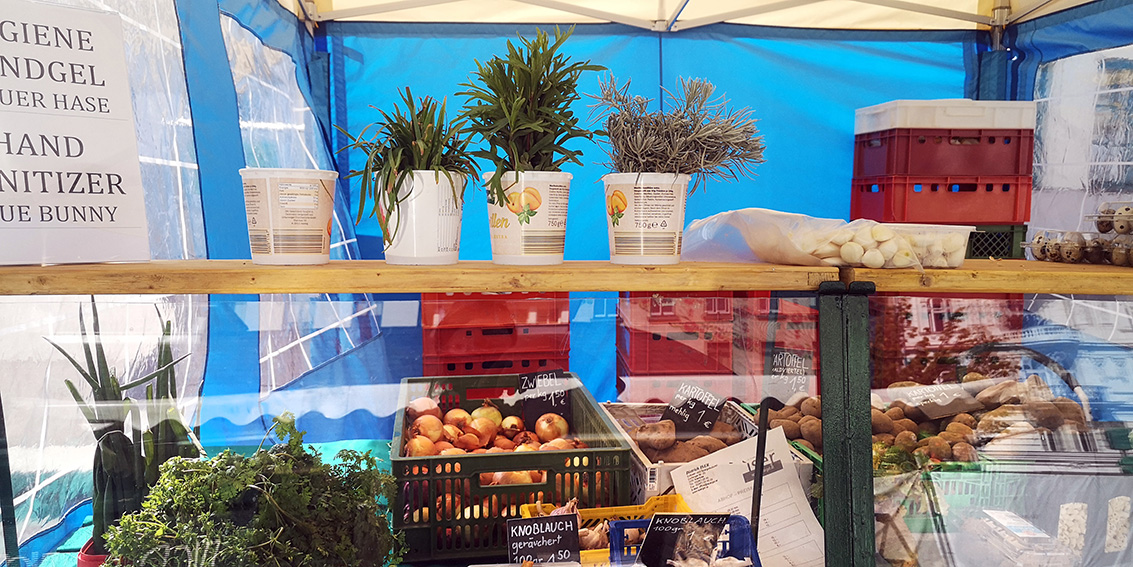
column 126, row 461
column 417, row 166
column 284, row 506
column 520, row 106
column 655, row 154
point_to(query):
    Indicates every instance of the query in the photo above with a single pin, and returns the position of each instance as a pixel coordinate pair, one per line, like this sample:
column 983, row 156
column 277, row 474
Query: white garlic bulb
column 852, row 252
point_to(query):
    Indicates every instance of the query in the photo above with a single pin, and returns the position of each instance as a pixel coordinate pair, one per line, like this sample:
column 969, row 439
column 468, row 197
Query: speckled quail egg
column 1038, row 247
column 1119, row 251
column 1105, row 220
column 1073, row 247
column 1123, row 220
column 1053, row 250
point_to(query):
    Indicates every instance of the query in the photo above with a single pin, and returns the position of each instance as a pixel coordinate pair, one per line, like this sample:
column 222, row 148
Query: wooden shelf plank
column 374, row 276
column 1003, row 276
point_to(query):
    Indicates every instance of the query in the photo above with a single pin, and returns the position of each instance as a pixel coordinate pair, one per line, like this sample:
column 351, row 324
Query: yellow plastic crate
column 590, row 517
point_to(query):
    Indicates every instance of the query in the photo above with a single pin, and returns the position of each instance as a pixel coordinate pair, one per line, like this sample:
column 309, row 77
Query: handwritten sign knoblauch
column 546, row 539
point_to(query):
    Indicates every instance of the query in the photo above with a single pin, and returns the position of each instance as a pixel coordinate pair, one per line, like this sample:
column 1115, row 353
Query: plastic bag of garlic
column 762, row 235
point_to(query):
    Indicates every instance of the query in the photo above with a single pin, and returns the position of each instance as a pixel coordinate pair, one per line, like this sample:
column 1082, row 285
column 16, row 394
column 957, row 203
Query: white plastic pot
column 645, row 215
column 530, row 228
column 427, row 221
column 289, row 214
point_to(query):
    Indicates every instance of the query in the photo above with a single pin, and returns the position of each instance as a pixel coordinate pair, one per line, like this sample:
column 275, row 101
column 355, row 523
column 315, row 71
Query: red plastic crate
column 501, row 363
column 943, row 151
column 450, row 341
column 943, row 200
column 450, row 310
column 641, row 309
column 690, row 348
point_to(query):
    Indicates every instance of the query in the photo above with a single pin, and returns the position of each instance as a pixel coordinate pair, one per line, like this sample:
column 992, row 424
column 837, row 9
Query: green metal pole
column 843, row 316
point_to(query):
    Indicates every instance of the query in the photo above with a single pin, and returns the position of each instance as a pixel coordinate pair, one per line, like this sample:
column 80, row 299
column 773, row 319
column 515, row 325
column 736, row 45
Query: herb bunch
column 520, row 106
column 421, row 139
column 279, row 507
column 698, row 135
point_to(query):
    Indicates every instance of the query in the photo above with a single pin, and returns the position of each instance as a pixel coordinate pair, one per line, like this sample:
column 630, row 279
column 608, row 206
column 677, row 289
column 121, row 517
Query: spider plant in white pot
column 520, row 105
column 656, row 154
column 417, row 167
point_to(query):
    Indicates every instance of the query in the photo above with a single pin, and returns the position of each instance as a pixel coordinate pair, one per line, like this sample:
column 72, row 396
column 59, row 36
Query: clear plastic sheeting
column 50, row 441
column 982, row 402
column 1084, row 139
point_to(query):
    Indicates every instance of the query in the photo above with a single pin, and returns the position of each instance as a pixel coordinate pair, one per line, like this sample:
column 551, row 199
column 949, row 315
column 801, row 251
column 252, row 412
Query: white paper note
column 789, row 534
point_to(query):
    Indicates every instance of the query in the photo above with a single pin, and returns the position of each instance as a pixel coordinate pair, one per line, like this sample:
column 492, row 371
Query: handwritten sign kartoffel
column 70, row 185
column 693, row 410
column 546, row 539
column 792, row 371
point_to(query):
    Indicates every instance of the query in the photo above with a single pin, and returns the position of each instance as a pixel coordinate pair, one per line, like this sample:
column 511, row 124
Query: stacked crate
column 665, row 338
column 494, row 333
column 947, row 162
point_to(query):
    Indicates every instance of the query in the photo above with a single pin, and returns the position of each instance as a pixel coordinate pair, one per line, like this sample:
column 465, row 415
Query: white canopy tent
column 677, row 15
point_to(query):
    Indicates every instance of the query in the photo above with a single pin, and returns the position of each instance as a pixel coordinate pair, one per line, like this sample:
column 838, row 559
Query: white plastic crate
column 946, row 113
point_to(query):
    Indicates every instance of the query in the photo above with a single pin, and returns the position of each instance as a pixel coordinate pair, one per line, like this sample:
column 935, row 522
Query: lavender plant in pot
column 660, row 157
column 417, row 166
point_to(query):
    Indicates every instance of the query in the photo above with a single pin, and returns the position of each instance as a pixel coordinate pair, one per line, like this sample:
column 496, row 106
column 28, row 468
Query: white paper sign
column 70, row 186
column 789, row 534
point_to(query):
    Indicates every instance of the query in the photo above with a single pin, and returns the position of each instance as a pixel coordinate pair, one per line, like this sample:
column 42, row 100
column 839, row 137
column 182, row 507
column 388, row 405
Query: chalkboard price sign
column 791, row 372
column 546, row 539
column 693, row 410
column 545, row 392
column 681, row 539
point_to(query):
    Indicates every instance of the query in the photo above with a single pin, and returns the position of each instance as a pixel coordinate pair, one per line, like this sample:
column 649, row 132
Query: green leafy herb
column 279, row 507
column 421, row 139
column 520, row 106
column 615, row 217
column 526, row 214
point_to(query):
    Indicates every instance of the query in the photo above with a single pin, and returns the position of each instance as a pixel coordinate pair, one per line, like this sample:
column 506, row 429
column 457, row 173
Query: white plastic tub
column 946, row 113
column 289, row 214
column 645, row 217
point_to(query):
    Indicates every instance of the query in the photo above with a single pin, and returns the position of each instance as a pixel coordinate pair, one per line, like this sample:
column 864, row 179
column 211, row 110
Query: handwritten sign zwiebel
column 545, row 392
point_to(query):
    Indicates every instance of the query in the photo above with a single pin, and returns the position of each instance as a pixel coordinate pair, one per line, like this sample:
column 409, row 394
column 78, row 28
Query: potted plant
column 282, row 506
column 520, row 105
column 417, row 166
column 655, row 155
column 126, row 465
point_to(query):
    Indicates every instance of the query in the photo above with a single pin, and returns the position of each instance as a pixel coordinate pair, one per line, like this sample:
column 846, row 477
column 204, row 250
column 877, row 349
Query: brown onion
column 559, row 444
column 497, row 450
column 551, row 426
column 490, row 411
column 442, row 445
column 511, row 477
column 430, row 426
column 467, row 441
column 454, row 451
column 451, row 432
column 480, row 450
column 457, row 417
column 504, row 443
column 525, row 447
column 482, row 428
column 526, row 437
column 511, row 425
column 420, row 446
column 536, row 476
column 421, row 406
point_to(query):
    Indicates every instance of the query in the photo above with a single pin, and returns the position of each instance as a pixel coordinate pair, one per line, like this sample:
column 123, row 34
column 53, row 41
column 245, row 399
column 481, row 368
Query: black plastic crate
column 997, row 241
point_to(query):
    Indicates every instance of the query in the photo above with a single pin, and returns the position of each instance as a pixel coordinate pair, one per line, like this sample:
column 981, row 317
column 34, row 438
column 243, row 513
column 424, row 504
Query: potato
column 726, row 432
column 650, row 453
column 784, row 413
column 1036, row 389
column 886, row 438
column 807, row 418
column 895, row 413
column 797, row 417
column 998, row 419
column 1044, row 414
column 660, row 435
column 811, row 406
column 972, row 377
column 965, row 452
column 812, row 431
column 681, row 452
column 922, row 451
column 906, row 440
column 939, row 449
column 903, row 384
column 952, row 437
column 790, row 428
column 965, row 418
column 710, row 444
column 1006, row 392
column 963, row 430
column 906, row 425
column 806, row 444
column 928, row 427
column 880, row 422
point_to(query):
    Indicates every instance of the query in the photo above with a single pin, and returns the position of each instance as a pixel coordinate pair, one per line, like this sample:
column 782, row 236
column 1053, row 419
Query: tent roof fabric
column 676, row 15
